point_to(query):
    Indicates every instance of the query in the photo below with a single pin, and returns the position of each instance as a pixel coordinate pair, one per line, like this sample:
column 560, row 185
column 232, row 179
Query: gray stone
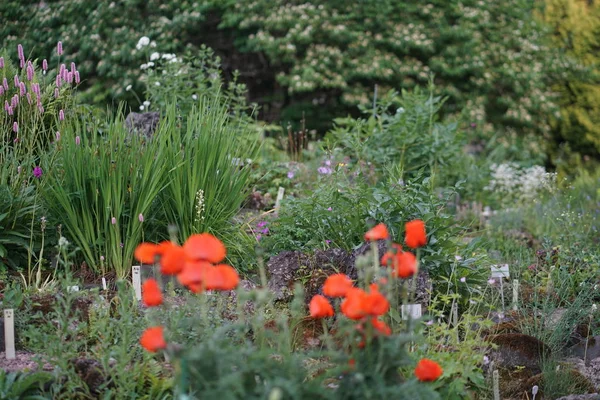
column 594, row 396
column 142, row 123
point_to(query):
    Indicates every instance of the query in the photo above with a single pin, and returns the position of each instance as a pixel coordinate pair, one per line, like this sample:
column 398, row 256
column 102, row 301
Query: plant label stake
column 280, row 193
column 515, row 294
column 72, row 288
column 104, row 283
column 501, row 272
column 412, row 311
column 496, row 384
column 137, row 281
column 9, row 334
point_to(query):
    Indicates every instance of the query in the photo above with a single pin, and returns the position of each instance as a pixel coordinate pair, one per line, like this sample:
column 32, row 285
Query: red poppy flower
column 151, row 294
column 337, row 285
column 415, row 234
column 428, row 370
column 221, row 277
column 381, row 327
column 353, row 305
column 388, row 256
column 152, row 339
column 405, row 265
column 320, row 307
column 375, row 303
column 206, row 247
column 146, row 253
column 193, row 274
column 378, row 232
column 172, row 261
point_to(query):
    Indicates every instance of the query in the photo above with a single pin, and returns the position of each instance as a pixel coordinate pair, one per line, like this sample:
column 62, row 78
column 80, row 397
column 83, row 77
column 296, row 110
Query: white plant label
column 137, row 281
column 72, row 288
column 280, row 193
column 103, row 283
column 496, row 384
column 500, row 271
column 412, row 310
column 9, row 334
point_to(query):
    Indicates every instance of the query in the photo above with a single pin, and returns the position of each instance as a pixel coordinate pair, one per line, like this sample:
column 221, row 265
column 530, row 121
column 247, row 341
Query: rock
column 142, row 123
column 282, row 270
column 594, row 396
column 591, row 370
column 516, row 350
column 289, row 267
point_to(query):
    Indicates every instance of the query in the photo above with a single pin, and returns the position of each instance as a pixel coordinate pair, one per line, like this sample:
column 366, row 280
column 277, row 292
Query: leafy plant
column 25, row 386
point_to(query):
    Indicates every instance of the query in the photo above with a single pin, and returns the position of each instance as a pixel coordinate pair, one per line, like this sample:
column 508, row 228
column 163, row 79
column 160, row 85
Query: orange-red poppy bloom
column 152, row 339
column 378, row 232
column 221, row 277
column 415, row 234
column 337, row 285
column 206, row 247
column 381, row 327
column 405, row 265
column 146, row 253
column 375, row 303
column 320, row 307
column 388, row 257
column 151, row 294
column 353, row 305
column 172, row 261
column 193, row 275
column 428, row 370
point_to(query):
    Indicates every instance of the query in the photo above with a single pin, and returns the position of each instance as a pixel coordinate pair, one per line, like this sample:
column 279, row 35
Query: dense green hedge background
column 501, row 66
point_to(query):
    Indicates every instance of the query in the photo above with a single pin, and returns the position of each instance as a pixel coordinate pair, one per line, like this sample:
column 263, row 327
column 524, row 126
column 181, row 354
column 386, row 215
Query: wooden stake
column 412, row 311
column 137, row 281
column 104, row 283
column 9, row 334
column 515, row 294
column 496, row 384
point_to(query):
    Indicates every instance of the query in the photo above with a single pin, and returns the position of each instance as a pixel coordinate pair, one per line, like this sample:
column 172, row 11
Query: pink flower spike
column 56, row 93
column 40, row 108
column 61, row 71
column 1, row 62
column 59, row 48
column 113, row 221
column 29, row 98
column 77, row 140
column 5, row 84
column 69, row 77
column 45, row 65
column 73, row 68
column 22, row 89
column 77, row 78
column 20, row 52
column 15, row 127
column 17, row 81
column 30, row 72
column 141, row 217
column 35, row 88
column 6, row 105
column 61, row 115
column 57, row 136
column 58, row 81
column 1, row 90
column 10, row 110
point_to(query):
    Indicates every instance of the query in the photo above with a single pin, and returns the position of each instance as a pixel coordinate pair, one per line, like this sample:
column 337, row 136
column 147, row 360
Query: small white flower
column 168, row 56
column 463, row 279
column 154, row 56
column 458, row 258
column 194, row 97
column 141, row 108
column 128, row 88
column 150, row 64
column 63, row 242
column 594, row 308
column 146, row 103
column 144, row 66
column 157, row 83
column 143, row 42
column 153, row 44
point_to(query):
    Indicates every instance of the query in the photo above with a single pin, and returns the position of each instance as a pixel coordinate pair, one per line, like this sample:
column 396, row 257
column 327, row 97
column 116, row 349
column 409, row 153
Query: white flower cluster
column 523, row 184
